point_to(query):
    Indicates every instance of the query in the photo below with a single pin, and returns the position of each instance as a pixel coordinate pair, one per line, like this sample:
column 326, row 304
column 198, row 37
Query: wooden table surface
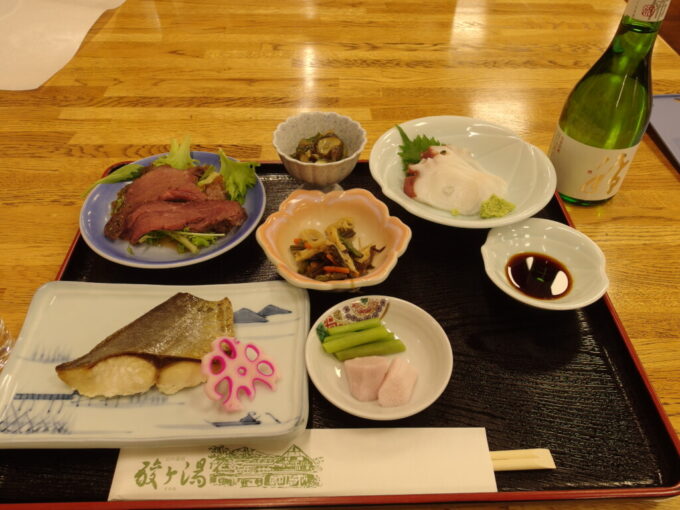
column 226, row 73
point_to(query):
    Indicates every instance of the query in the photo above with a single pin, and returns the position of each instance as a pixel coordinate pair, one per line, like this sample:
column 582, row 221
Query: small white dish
column 527, row 170
column 96, row 211
column 427, row 348
column 582, row 258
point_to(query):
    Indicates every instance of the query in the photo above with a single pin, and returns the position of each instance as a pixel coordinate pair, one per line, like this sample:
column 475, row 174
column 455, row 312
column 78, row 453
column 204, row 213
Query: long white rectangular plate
column 67, row 319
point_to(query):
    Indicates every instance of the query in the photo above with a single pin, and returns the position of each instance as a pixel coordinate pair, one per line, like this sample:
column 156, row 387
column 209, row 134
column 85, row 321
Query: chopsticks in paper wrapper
column 518, row 460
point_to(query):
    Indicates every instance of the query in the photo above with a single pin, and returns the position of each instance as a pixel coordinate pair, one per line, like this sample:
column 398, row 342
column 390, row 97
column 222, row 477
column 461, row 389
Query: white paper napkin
column 39, row 37
column 318, row 463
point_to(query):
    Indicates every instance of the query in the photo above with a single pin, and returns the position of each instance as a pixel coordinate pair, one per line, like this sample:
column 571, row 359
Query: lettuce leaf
column 179, row 156
column 238, row 177
column 124, row 173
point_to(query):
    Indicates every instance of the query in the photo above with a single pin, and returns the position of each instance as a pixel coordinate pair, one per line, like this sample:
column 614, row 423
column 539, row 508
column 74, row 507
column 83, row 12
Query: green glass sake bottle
column 608, row 110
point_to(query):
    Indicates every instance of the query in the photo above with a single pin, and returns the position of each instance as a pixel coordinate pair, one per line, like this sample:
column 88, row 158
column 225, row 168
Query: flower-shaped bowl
column 310, row 209
column 323, row 176
column 585, row 279
column 526, row 169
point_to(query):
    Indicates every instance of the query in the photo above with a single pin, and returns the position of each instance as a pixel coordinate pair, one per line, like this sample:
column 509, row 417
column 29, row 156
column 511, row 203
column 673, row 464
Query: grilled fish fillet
column 163, row 347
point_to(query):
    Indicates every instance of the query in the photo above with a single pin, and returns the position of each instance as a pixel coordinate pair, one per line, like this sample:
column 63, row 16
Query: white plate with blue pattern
column 67, row 319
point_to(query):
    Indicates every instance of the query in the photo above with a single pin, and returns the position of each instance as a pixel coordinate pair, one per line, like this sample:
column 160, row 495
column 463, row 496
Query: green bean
column 354, row 326
column 340, row 342
column 381, row 348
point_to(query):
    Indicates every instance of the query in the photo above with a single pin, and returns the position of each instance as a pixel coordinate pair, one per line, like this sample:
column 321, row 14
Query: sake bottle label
column 647, row 10
column 586, row 172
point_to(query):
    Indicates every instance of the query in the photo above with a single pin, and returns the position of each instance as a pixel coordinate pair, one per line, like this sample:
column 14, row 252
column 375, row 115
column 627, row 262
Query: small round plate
column 582, row 258
column 96, row 211
column 427, row 348
column 527, row 170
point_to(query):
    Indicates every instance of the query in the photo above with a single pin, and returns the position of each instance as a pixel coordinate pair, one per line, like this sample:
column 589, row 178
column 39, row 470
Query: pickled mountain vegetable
column 320, row 148
column 334, row 254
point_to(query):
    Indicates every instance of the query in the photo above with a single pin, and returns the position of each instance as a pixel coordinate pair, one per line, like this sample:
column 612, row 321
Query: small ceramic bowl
column 307, row 209
column 428, row 350
column 322, row 176
column 534, row 239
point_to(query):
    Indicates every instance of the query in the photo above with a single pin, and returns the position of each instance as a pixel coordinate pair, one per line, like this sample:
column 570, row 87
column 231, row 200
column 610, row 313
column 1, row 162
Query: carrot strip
column 336, row 269
column 308, row 246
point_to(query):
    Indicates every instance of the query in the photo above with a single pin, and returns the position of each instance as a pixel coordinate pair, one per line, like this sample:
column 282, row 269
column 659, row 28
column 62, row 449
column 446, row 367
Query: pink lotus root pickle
column 232, row 368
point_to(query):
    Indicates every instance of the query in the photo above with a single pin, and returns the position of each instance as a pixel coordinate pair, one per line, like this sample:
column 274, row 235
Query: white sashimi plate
column 427, row 348
column 96, row 212
column 67, row 319
column 528, row 172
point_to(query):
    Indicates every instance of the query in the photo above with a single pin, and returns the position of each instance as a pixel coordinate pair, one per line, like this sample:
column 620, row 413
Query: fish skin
column 180, row 328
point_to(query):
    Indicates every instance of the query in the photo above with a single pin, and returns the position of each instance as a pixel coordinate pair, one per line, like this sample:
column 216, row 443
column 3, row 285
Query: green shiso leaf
column 412, row 149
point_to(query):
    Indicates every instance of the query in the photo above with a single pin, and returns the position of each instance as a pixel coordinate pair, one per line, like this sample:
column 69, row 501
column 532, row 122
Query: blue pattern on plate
column 37, row 409
column 246, row 315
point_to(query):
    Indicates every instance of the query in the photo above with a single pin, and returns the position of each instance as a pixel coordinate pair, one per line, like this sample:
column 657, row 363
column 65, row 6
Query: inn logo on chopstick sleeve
column 233, row 467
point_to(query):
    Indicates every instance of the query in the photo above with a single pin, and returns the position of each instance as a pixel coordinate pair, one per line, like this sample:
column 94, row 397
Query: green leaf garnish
column 124, row 173
column 179, row 156
column 238, row 177
column 412, row 149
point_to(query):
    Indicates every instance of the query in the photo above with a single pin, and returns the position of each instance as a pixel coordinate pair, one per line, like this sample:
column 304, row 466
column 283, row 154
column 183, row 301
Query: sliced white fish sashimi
column 451, row 179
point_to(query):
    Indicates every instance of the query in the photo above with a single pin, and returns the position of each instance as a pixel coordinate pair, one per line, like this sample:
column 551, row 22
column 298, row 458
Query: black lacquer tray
column 567, row 381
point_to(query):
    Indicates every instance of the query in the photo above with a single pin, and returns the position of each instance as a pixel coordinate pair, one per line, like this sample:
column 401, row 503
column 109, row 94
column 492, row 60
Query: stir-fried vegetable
column 332, row 255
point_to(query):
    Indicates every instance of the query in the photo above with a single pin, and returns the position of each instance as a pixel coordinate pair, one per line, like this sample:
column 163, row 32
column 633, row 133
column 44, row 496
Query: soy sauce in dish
column 538, row 275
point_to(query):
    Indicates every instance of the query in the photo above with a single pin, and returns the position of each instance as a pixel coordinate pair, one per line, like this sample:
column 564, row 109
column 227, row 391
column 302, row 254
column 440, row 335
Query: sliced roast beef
column 158, row 183
column 197, row 216
column 163, row 183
